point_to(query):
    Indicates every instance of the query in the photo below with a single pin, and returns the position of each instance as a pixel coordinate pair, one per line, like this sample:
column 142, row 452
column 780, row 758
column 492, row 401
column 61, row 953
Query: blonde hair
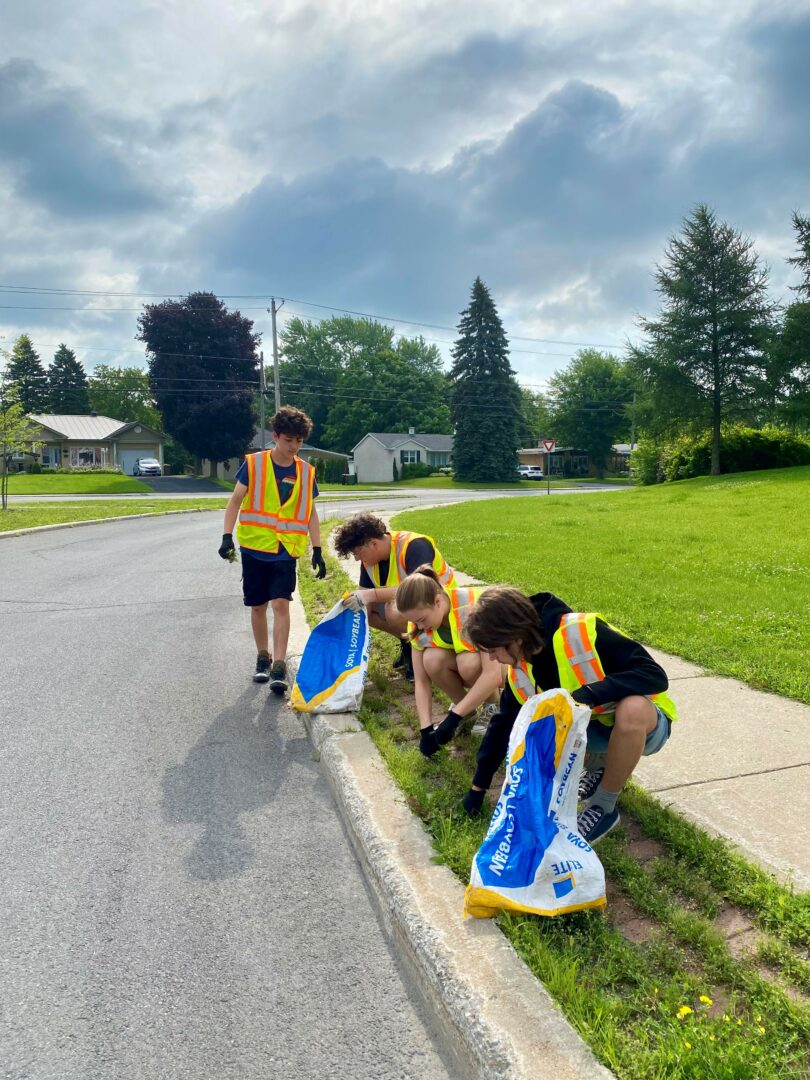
column 418, row 589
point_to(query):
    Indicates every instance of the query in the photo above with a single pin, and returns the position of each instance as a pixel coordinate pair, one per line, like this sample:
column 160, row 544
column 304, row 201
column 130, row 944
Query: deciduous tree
column 124, row 394
column 203, row 373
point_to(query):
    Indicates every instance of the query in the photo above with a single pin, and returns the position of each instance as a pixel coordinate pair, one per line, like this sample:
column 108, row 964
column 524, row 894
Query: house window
column 83, row 457
column 50, row 456
column 437, row 458
column 409, row 457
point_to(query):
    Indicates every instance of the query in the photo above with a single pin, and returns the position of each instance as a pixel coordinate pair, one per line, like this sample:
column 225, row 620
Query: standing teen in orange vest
column 274, row 498
column 443, row 655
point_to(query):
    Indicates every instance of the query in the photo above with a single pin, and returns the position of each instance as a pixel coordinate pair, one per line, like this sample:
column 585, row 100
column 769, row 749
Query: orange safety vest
column 461, row 601
column 264, row 521
column 579, row 665
column 396, row 562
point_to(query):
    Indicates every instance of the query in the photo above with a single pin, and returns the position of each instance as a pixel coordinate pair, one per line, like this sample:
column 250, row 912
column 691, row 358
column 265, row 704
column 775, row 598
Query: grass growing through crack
column 676, row 1005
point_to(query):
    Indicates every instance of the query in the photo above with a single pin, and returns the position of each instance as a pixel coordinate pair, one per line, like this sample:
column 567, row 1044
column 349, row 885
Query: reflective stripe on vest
column 396, row 562
column 461, row 601
column 263, row 520
column 578, row 665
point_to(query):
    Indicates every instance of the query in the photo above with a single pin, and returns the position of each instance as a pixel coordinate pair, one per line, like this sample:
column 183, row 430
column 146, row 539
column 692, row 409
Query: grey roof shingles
column 390, row 440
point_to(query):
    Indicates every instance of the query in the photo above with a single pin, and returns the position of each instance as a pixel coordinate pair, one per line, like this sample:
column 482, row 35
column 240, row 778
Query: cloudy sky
column 376, row 156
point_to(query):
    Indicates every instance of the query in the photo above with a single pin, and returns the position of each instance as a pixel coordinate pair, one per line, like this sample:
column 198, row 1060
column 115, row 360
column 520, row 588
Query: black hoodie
column 628, row 667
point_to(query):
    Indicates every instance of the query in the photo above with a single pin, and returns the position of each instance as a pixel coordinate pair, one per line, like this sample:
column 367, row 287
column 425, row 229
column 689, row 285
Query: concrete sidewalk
column 738, row 765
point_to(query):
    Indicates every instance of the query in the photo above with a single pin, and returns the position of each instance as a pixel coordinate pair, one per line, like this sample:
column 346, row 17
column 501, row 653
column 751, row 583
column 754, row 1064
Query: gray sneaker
column 278, row 678
column 262, row 672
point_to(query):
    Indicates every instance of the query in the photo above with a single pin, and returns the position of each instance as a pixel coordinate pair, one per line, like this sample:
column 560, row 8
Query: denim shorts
column 599, row 736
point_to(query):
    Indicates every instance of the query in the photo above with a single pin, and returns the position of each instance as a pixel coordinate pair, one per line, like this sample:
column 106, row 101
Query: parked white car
column 147, row 466
column 531, row 472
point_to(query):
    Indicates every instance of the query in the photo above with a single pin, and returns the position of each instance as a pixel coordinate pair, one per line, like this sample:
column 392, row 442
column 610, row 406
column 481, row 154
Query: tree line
column 719, row 350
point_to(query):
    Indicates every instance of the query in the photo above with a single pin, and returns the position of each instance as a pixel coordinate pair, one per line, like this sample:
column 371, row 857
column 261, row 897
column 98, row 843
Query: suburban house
column 227, row 470
column 375, row 454
column 80, row 442
column 569, row 461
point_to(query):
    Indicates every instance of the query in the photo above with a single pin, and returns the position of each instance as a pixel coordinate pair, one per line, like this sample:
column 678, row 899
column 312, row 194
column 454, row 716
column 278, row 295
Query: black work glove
column 427, row 742
column 473, row 802
column 447, row 728
column 318, row 563
column 227, row 547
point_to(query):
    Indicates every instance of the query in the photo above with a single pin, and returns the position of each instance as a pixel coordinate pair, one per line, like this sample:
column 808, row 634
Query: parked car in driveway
column 530, row 472
column 147, row 466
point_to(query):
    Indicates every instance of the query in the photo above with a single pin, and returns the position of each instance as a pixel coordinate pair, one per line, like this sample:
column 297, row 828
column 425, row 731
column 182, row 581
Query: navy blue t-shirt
column 285, row 478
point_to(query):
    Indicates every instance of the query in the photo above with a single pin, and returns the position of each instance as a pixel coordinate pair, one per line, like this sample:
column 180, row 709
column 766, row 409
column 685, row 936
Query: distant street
column 179, row 900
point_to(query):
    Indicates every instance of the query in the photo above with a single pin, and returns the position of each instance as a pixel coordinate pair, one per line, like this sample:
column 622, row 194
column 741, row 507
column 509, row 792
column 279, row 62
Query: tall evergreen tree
column 708, row 345
column 801, row 224
column 28, row 377
column 67, row 384
column 486, row 403
column 203, row 372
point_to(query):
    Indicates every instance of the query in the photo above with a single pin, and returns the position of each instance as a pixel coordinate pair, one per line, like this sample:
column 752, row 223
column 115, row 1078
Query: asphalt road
column 178, row 900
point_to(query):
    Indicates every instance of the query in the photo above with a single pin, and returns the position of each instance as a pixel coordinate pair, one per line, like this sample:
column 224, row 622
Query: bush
column 645, row 463
column 36, row 468
column 95, row 469
column 742, row 449
column 416, row 470
column 328, row 470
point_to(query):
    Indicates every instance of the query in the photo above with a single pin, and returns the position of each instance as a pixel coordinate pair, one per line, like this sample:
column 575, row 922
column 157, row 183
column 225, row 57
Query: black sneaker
column 278, row 677
column 404, row 658
column 588, row 783
column 263, row 662
column 595, row 822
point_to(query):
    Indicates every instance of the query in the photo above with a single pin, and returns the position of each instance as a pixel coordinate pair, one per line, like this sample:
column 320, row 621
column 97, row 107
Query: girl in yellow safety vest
column 442, row 654
column 547, row 645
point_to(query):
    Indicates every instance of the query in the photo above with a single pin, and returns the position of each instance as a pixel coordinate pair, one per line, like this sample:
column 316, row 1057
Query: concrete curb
column 103, row 521
column 497, row 1017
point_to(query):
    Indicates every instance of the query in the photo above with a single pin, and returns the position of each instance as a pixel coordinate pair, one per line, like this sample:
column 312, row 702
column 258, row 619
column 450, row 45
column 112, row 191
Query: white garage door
column 127, row 459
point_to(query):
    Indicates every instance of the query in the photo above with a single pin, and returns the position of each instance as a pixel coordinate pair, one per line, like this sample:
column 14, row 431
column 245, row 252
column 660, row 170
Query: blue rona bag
column 332, row 672
column 532, row 858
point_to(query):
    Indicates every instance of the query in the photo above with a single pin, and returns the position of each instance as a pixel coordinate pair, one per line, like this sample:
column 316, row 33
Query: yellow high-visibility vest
column 578, row 664
column 264, row 521
column 461, row 601
column 396, row 562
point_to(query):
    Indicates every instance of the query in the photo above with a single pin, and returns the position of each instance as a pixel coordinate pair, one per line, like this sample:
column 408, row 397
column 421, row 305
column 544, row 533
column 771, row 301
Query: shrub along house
column 81, row 442
column 377, row 452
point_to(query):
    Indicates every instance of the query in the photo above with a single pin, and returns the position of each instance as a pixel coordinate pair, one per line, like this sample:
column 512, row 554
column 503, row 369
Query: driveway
column 178, row 486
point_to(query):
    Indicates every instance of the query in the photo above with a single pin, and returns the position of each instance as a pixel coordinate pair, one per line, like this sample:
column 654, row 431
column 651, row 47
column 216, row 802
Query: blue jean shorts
column 599, row 735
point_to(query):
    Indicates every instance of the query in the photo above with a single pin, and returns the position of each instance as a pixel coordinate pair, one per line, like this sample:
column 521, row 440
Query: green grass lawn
column 650, row 983
column 74, row 484
column 716, row 569
column 28, row 515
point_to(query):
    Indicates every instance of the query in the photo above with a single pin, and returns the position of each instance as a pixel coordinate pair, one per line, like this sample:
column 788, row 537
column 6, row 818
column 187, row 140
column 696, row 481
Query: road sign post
column 548, row 446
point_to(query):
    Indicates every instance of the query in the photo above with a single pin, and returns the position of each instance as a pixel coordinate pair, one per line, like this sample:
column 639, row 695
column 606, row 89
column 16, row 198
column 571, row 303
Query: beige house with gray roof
column 81, row 442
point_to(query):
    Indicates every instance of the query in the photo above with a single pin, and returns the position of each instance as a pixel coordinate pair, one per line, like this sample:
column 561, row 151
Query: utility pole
column 633, row 424
column 273, row 309
column 262, row 390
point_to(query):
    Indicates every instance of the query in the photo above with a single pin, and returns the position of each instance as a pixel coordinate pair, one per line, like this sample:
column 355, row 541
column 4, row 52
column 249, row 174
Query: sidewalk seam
column 723, row 779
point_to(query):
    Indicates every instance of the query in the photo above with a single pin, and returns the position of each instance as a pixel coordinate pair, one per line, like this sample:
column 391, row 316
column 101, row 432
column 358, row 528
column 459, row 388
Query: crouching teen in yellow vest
column 443, row 655
column 274, row 498
column 547, row 645
column 386, row 558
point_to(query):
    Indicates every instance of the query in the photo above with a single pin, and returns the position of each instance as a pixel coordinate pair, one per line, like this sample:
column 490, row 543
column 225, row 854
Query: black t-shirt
column 419, row 552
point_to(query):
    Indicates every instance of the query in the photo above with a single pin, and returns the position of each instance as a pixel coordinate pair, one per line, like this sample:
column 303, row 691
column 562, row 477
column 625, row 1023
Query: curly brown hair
column 357, row 531
column 291, row 421
column 503, row 616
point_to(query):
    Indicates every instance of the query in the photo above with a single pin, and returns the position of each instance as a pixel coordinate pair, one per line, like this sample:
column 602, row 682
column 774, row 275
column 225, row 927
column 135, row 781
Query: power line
column 30, row 289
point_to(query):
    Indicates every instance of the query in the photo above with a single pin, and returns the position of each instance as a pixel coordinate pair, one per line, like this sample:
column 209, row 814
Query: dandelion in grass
column 683, row 1011
column 705, row 999
column 760, row 1029
column 688, row 1045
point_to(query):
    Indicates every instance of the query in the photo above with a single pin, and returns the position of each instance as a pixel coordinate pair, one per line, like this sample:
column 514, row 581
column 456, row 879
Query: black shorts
column 264, row 580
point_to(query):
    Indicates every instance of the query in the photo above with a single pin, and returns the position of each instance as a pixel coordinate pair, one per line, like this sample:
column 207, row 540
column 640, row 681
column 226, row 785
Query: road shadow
column 237, row 767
